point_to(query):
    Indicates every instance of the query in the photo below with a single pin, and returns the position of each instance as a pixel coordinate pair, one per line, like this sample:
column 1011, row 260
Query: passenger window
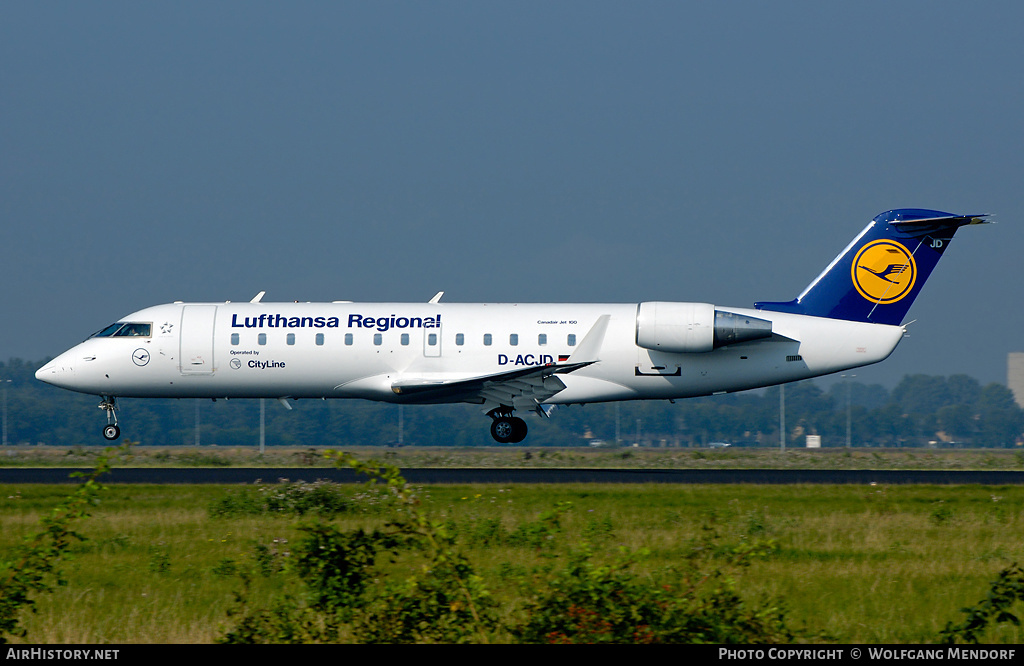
column 460, row 339
column 571, row 340
column 513, row 339
column 405, row 339
column 487, row 339
column 378, row 339
column 262, row 339
column 290, row 339
column 234, row 339
column 542, row 339
column 320, row 339
column 348, row 338
column 432, row 339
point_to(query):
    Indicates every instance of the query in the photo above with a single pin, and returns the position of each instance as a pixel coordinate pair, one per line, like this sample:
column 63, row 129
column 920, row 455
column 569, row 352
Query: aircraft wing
column 512, row 388
column 518, row 388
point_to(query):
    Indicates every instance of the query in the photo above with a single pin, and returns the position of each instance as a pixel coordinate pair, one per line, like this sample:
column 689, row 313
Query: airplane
column 506, row 357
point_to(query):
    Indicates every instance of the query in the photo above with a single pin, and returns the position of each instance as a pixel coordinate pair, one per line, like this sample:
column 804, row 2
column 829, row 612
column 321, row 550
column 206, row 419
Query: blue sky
column 526, row 151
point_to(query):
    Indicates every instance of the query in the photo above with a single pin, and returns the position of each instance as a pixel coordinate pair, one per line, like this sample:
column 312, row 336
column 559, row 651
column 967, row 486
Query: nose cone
column 59, row 372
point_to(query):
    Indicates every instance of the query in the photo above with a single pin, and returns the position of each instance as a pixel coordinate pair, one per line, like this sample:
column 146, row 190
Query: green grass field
column 517, row 456
column 851, row 564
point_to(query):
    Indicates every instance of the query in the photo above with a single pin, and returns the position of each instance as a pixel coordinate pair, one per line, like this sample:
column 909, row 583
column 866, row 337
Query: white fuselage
column 360, row 350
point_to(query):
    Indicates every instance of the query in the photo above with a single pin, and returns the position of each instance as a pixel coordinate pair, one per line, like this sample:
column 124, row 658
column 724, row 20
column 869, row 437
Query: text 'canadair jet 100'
column 508, row 357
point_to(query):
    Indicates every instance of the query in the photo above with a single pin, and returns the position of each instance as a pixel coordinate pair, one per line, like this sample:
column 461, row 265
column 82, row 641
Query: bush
column 298, row 498
column 590, row 603
column 346, row 595
column 1006, row 590
column 35, row 567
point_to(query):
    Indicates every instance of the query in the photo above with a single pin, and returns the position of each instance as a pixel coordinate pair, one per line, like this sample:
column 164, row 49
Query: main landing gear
column 506, row 428
column 110, row 431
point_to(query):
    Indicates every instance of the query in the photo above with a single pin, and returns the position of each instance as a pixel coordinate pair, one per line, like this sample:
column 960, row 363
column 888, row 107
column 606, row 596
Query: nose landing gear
column 506, row 428
column 110, row 431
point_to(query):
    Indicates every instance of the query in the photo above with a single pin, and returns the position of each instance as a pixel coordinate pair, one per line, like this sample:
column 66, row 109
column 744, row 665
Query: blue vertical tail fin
column 879, row 274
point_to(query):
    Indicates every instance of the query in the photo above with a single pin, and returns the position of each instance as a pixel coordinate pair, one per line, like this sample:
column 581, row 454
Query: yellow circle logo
column 884, row 271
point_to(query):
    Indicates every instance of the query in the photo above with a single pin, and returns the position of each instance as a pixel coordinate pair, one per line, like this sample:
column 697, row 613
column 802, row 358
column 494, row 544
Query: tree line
column 922, row 410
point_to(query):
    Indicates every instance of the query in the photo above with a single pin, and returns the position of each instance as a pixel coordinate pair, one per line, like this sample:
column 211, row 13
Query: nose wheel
column 110, row 431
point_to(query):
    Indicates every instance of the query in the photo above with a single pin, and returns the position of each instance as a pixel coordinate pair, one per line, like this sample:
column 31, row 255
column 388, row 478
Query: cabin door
column 197, row 322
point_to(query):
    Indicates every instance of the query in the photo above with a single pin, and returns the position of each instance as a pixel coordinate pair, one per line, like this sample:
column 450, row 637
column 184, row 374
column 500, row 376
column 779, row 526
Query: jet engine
column 694, row 327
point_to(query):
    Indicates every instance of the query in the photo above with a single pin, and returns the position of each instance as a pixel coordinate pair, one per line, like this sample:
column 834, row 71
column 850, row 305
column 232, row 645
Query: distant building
column 1015, row 375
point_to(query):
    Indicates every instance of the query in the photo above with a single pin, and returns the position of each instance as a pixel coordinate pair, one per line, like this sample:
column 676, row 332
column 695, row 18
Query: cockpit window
column 123, row 330
column 135, row 331
column 108, row 331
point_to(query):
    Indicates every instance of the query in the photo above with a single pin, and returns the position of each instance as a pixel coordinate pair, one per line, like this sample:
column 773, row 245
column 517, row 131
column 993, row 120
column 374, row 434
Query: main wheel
column 508, row 430
column 111, row 432
column 503, row 430
column 518, row 430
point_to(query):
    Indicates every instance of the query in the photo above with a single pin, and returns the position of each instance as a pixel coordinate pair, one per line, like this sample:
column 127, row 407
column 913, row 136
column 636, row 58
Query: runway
column 432, row 476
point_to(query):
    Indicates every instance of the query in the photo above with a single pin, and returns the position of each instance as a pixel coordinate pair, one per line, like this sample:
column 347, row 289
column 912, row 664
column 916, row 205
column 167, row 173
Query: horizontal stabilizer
column 957, row 220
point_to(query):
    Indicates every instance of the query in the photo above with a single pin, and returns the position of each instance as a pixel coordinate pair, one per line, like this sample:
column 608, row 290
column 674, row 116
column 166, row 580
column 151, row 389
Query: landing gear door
column 197, row 323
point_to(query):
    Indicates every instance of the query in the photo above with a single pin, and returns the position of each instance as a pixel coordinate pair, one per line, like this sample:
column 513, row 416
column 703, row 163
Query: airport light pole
column 848, row 378
column 263, row 416
column 5, row 382
column 618, row 438
column 782, row 418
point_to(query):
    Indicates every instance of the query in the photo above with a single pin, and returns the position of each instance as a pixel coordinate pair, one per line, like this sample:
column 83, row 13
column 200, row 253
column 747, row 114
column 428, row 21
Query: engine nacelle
column 694, row 327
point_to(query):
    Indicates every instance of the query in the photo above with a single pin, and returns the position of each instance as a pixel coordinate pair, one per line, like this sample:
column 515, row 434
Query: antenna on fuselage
column 436, row 298
column 258, row 297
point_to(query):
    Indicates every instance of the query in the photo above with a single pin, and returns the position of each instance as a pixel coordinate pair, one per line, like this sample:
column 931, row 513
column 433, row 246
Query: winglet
column 589, row 348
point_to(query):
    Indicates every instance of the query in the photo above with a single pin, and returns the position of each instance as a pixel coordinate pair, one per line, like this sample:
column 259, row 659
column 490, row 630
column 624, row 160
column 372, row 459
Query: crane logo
column 884, row 271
